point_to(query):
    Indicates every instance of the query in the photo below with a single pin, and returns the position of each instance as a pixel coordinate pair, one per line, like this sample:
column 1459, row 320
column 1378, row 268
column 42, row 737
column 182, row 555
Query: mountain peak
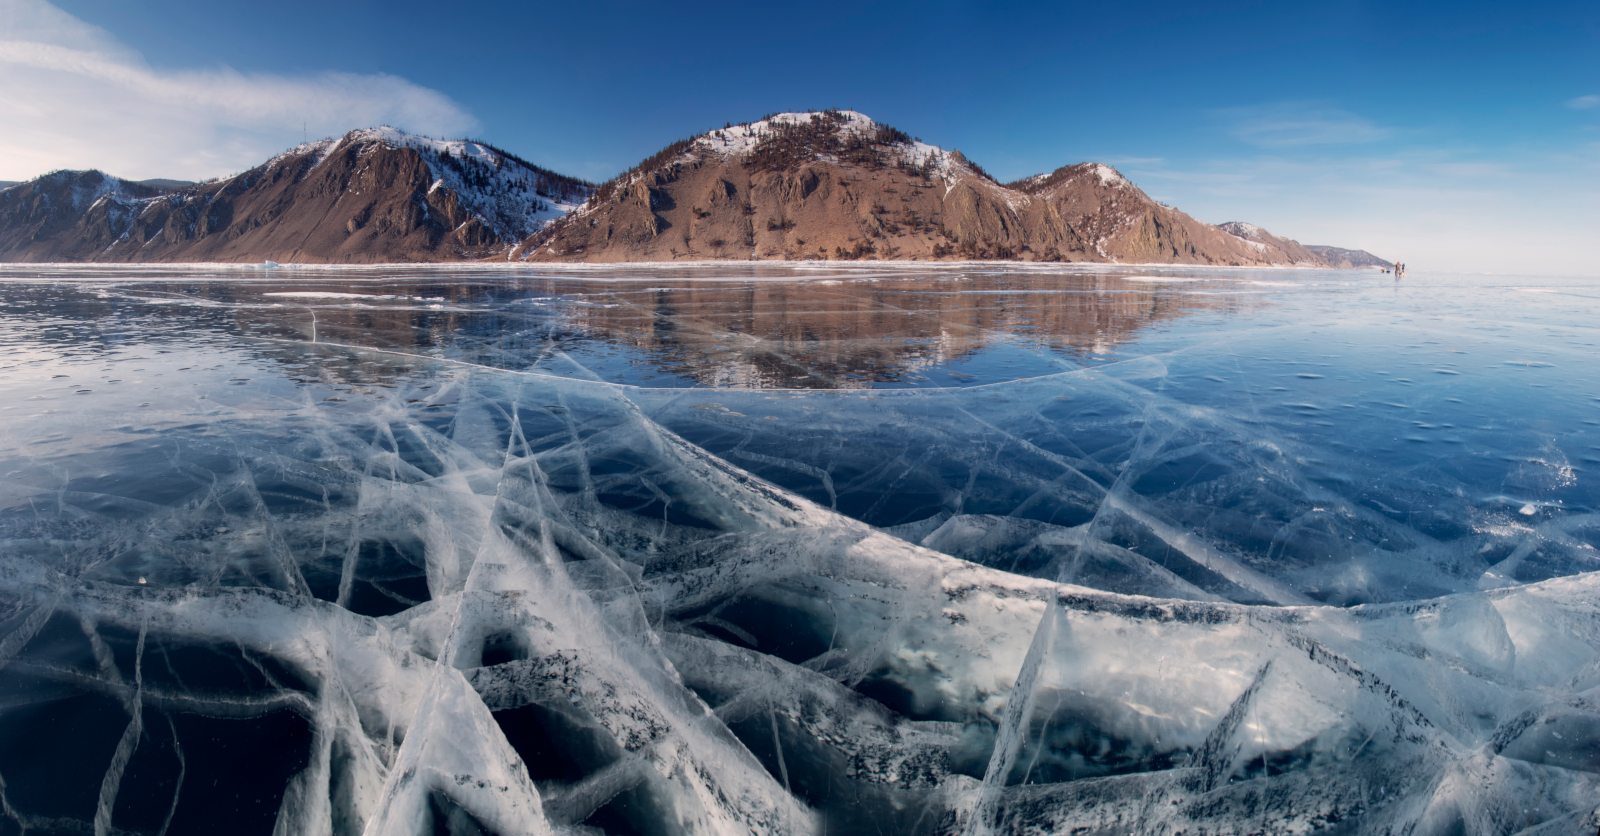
column 1092, row 173
column 395, row 138
column 742, row 139
column 784, row 140
column 1109, row 176
column 1240, row 229
column 387, row 136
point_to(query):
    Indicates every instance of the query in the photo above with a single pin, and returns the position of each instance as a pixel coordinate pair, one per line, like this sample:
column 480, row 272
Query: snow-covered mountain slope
column 372, row 195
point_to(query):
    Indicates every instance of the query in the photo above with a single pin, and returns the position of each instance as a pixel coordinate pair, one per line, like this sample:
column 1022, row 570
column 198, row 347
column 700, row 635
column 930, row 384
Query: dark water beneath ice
column 461, row 550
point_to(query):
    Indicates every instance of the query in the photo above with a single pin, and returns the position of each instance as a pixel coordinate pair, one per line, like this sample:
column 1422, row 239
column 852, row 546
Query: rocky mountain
column 837, row 185
column 371, row 196
column 793, row 186
column 1347, row 259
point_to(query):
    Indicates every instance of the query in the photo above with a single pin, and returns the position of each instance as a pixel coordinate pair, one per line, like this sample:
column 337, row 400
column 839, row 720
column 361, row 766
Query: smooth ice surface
column 669, row 549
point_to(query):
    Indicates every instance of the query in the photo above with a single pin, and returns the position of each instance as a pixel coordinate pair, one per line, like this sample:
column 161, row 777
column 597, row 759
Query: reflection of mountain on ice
column 799, row 335
column 437, row 597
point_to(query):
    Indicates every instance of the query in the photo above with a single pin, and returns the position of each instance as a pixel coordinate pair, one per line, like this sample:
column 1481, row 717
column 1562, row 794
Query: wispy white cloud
column 1292, row 124
column 1583, row 102
column 75, row 97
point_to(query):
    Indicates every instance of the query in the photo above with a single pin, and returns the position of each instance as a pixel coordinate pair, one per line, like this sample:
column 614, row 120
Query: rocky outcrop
column 371, row 196
column 837, row 185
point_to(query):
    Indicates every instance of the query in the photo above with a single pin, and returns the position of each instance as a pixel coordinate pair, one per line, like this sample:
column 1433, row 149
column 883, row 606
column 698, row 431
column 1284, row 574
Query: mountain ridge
column 1341, row 258
column 813, row 185
column 836, row 185
column 374, row 195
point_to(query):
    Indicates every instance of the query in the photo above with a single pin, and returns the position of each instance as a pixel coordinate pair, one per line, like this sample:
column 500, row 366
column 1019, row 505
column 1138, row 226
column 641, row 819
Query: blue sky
column 1464, row 136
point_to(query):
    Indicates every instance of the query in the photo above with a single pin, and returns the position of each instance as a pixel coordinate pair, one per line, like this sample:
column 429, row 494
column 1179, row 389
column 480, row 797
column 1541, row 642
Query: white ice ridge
column 519, row 604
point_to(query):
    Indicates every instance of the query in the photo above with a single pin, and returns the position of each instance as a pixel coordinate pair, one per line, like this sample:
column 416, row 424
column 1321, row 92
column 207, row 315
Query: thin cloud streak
column 1583, row 102
column 1295, row 124
column 76, row 98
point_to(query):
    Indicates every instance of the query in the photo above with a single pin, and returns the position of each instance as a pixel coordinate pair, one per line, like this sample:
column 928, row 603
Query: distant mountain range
column 794, row 186
column 1347, row 259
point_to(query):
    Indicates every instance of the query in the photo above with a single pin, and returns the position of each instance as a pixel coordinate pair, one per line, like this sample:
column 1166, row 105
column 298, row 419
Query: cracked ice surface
column 959, row 551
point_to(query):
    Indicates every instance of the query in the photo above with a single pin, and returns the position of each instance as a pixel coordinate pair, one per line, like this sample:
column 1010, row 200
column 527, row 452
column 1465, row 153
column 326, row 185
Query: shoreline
column 502, row 267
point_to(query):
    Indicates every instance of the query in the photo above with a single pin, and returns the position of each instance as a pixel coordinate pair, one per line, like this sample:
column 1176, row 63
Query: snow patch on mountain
column 320, row 149
column 741, row 140
column 1250, row 234
column 1108, row 175
column 1240, row 229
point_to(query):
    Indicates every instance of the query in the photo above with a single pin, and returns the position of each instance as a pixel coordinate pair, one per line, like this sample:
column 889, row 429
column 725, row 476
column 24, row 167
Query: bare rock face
column 371, row 196
column 837, row 185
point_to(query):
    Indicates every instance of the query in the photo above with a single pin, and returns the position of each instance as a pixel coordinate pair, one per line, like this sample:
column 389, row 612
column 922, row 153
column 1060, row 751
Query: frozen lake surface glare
column 746, row 549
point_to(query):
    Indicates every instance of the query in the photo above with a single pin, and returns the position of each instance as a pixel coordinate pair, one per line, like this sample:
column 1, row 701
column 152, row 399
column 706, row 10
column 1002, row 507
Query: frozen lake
column 690, row 549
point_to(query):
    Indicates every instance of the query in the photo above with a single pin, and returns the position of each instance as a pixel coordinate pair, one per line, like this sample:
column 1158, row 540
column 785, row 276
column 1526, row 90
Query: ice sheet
column 1174, row 566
